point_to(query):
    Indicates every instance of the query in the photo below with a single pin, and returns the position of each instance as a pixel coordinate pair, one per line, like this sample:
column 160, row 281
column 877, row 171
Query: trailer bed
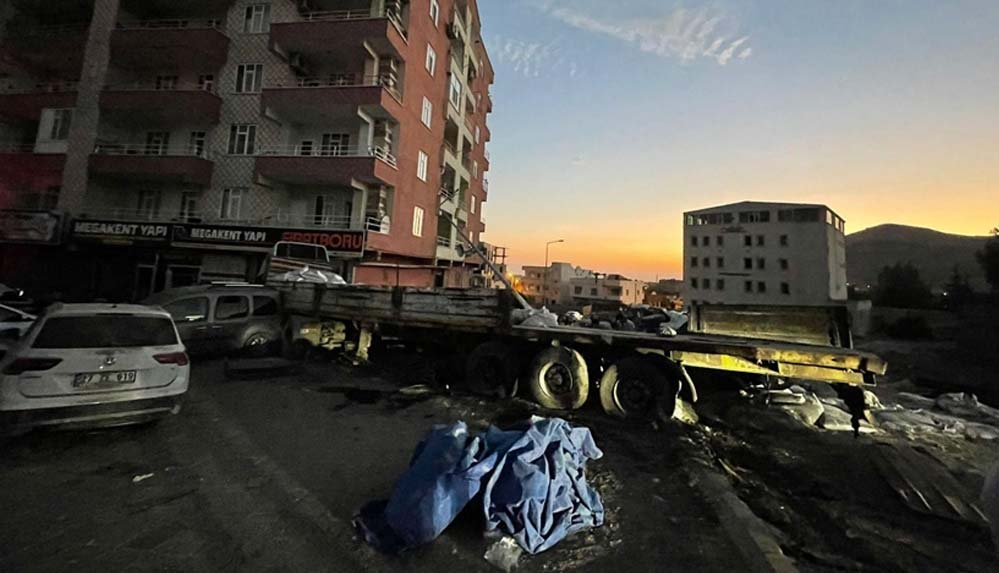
column 487, row 312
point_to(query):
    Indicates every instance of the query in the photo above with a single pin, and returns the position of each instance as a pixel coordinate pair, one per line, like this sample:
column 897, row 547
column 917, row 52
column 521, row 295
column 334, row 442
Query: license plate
column 104, row 378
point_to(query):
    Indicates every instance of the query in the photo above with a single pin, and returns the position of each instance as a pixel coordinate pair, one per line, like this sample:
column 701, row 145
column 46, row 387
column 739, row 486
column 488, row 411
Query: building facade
column 757, row 253
column 666, row 293
column 607, row 290
column 553, row 285
column 146, row 144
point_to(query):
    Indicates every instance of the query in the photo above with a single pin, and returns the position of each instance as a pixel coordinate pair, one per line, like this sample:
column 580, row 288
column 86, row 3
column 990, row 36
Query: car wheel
column 492, row 370
column 635, row 387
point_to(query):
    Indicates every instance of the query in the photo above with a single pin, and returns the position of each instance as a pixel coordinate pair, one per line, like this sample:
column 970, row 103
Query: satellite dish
column 460, row 249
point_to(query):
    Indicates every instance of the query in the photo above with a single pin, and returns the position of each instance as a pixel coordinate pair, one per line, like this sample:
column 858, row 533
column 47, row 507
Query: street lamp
column 544, row 286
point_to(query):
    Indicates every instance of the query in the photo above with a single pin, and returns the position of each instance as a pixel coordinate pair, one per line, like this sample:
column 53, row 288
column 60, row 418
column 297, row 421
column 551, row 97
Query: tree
column 988, row 257
column 959, row 291
column 901, row 286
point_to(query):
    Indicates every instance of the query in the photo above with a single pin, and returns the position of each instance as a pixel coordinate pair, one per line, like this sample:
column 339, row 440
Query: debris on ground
column 542, row 317
column 141, row 478
column 990, row 501
column 504, row 553
column 532, row 479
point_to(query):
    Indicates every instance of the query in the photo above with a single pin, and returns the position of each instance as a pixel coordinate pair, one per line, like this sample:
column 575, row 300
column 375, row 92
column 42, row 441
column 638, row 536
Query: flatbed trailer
column 638, row 372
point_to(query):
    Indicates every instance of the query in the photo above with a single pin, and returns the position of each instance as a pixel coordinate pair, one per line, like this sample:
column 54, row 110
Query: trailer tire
column 635, row 387
column 559, row 378
column 491, row 370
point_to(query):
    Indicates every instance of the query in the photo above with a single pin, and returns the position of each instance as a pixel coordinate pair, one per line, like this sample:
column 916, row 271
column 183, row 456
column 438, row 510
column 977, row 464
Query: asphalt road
column 266, row 474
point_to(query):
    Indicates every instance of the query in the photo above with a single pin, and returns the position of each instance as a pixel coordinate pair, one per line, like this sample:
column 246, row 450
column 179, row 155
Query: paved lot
column 266, row 474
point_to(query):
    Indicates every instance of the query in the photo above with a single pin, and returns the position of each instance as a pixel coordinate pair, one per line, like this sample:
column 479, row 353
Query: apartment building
column 607, row 290
column 551, row 285
column 764, row 253
column 146, row 144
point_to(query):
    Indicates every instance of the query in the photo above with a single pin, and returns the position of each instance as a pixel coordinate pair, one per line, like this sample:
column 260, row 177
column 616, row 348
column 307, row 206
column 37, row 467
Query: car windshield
column 107, row 331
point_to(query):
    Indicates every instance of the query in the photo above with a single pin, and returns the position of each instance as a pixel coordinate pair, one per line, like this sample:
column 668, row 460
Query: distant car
column 224, row 318
column 93, row 365
column 13, row 322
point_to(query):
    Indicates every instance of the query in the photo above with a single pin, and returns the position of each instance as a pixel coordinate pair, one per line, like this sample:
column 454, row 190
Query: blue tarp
column 532, row 480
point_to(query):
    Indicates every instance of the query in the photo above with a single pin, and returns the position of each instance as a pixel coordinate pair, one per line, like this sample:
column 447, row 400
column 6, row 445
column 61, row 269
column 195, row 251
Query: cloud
column 531, row 59
column 682, row 34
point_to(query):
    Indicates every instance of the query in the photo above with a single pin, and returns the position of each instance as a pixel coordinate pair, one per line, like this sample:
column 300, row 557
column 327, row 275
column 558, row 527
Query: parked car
column 224, row 318
column 93, row 365
column 13, row 322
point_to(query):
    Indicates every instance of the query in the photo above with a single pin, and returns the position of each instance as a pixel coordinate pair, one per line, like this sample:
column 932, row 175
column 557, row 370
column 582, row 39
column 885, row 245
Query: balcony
column 25, row 104
column 340, row 34
column 277, row 220
column 50, row 50
column 158, row 163
column 23, row 169
column 335, row 165
column 153, row 105
column 318, row 100
column 169, row 44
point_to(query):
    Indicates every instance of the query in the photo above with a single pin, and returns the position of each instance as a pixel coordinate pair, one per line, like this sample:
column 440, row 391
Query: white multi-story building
column 552, row 285
column 607, row 289
column 757, row 253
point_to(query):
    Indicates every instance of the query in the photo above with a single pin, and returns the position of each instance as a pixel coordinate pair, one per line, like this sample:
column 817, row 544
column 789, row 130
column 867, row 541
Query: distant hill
column 933, row 252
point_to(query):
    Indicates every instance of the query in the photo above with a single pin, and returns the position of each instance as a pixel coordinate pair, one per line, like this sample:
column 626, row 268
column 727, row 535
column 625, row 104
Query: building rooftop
column 749, row 205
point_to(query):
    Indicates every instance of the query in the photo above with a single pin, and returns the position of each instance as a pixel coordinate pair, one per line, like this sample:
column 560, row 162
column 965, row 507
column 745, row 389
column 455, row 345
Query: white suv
column 93, row 365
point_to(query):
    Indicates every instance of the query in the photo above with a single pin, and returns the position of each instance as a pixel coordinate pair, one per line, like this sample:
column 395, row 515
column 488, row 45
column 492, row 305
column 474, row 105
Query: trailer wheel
column 636, row 387
column 492, row 370
column 559, row 378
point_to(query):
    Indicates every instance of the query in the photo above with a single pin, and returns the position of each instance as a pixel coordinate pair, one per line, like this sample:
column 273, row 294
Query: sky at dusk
column 612, row 118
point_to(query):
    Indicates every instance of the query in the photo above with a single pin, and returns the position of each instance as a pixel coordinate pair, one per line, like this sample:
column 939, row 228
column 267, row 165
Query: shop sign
column 29, row 227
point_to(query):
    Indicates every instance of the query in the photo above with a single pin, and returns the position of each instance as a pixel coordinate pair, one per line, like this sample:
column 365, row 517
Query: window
column 324, row 211
column 694, row 283
column 707, row 241
column 707, row 284
column 418, row 221
column 747, row 240
column 248, row 78
column 206, row 82
column 785, row 288
column 431, row 62
column 189, row 205
column 693, row 241
column 265, row 306
column 421, row 166
column 720, row 262
column 754, row 217
column 783, row 240
column 720, row 241
column 157, row 142
column 335, row 144
column 305, row 147
column 475, row 169
column 435, row 12
column 577, row 290
column 196, row 143
column 188, row 309
column 118, row 331
column 242, row 139
column 593, row 292
column 473, row 204
column 257, row 18
column 760, row 241
column 148, row 206
column 748, row 286
column 428, row 112
column 230, row 307
column 761, row 263
column 784, row 264
column 454, row 93
column 478, row 134
column 706, row 263
column 61, row 120
column 232, row 203
column 166, row 82
column 694, row 261
column 761, row 286
column 747, row 263
column 720, row 284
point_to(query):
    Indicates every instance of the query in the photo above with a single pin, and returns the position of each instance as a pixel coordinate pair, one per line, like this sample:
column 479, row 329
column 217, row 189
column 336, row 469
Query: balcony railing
column 448, row 194
column 386, row 81
column 151, row 149
column 41, row 87
column 376, row 225
column 162, row 86
column 328, row 151
column 444, row 242
column 17, row 147
column 175, row 24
